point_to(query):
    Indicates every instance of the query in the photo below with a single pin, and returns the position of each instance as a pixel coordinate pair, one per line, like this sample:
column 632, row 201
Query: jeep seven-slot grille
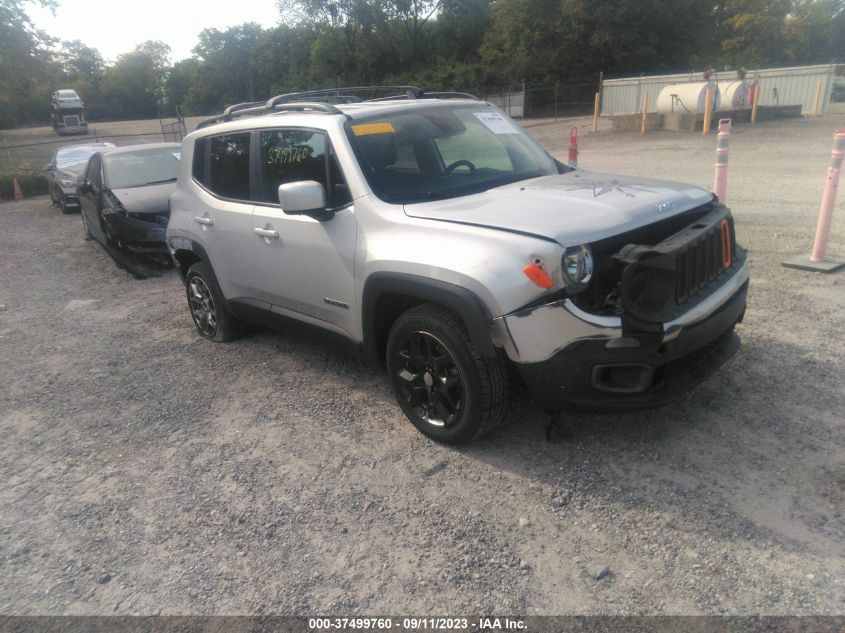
column 660, row 280
column 702, row 261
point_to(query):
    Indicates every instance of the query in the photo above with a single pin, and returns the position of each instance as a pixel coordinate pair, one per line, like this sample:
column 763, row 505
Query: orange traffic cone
column 17, row 189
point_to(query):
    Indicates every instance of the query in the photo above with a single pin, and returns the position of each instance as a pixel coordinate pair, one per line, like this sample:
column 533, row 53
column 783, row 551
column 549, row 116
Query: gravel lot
column 143, row 470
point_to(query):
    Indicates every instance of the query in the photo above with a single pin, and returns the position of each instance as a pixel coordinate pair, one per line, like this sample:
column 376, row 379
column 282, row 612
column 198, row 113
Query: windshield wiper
column 159, row 182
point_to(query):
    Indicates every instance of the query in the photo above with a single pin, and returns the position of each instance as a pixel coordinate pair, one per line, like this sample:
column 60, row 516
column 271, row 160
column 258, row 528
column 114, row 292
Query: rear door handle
column 270, row 233
column 203, row 220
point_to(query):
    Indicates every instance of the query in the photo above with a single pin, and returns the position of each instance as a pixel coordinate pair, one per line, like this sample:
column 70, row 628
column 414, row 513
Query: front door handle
column 269, row 233
column 203, row 220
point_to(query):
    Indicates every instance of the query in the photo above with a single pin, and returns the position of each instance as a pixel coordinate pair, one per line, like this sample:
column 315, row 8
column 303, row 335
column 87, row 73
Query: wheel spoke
column 427, row 379
column 202, row 307
column 410, row 377
column 415, row 396
column 441, row 410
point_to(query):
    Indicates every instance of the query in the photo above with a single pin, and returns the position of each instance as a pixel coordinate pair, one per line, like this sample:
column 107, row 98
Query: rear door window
column 228, row 174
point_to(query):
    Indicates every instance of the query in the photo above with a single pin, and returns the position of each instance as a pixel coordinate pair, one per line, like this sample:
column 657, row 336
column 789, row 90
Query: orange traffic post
column 818, row 260
column 708, row 112
column 644, row 124
column 754, row 105
column 720, row 179
column 17, row 189
column 596, row 114
column 573, row 147
column 818, row 98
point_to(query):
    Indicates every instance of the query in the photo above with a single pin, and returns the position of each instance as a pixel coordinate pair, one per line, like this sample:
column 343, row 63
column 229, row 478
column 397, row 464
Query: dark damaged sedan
column 124, row 195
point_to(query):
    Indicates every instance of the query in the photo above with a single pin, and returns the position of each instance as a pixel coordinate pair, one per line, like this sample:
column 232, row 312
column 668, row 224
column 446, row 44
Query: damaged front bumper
column 138, row 236
column 570, row 358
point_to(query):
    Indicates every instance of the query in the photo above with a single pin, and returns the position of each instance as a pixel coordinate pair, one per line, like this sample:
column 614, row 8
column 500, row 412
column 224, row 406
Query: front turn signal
column 538, row 276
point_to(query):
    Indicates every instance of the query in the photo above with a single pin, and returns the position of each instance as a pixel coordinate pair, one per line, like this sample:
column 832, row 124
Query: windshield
column 141, row 167
column 68, row 94
column 444, row 151
column 76, row 155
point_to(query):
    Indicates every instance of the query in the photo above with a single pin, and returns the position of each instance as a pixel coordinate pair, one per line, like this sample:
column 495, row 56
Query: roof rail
column 262, row 108
column 347, row 94
column 448, row 95
column 241, row 106
column 322, row 100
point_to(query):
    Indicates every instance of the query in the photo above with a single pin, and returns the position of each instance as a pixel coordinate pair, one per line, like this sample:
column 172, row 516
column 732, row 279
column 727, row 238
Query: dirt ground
column 143, row 470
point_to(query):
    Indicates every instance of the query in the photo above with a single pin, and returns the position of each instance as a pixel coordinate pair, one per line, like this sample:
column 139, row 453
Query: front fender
column 466, row 304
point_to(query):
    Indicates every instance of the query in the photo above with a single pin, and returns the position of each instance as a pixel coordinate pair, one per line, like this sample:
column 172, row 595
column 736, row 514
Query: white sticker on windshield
column 177, row 155
column 496, row 123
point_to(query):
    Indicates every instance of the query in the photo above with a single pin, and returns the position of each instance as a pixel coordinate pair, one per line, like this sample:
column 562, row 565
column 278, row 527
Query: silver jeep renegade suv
column 436, row 235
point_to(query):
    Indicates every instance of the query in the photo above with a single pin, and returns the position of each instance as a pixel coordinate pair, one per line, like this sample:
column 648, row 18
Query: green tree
column 178, row 85
column 134, row 86
column 225, row 74
column 25, row 65
column 753, row 32
column 814, row 31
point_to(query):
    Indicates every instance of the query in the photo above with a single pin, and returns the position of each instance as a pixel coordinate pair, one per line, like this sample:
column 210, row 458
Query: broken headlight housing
column 577, row 266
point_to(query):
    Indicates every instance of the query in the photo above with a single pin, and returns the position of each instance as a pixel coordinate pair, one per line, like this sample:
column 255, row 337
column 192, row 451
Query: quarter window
column 295, row 155
column 229, row 166
column 198, row 165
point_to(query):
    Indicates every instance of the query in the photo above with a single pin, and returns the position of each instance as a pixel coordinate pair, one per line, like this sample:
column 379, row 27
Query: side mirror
column 48, row 167
column 306, row 197
column 84, row 186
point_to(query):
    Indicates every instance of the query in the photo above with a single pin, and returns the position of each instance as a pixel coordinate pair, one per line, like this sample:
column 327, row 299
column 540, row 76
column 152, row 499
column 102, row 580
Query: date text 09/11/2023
column 417, row 623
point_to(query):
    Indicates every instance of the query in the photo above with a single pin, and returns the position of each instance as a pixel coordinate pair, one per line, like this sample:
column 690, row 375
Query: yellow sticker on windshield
column 364, row 129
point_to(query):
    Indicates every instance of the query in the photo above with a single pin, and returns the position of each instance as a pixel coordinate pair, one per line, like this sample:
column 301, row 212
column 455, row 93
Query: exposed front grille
column 71, row 120
column 659, row 281
column 701, row 261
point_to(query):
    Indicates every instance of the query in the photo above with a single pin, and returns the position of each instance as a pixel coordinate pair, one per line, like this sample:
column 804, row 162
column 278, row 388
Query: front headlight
column 577, row 267
column 67, row 183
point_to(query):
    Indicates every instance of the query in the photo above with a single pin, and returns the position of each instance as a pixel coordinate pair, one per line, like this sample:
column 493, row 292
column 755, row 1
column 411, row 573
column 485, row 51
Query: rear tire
column 444, row 386
column 208, row 306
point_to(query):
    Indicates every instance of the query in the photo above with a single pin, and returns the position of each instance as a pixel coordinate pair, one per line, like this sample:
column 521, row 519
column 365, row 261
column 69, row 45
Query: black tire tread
column 492, row 372
column 229, row 327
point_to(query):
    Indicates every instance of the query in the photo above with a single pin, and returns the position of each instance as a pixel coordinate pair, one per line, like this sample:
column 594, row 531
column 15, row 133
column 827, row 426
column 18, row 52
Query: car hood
column 70, row 172
column 572, row 208
column 149, row 199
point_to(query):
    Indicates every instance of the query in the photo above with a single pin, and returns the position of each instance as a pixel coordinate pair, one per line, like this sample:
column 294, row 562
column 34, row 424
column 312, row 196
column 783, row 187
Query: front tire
column 443, row 385
column 208, row 306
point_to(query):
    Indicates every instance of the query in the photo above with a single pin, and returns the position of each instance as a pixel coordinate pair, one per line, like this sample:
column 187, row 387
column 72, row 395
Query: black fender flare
column 465, row 303
column 196, row 249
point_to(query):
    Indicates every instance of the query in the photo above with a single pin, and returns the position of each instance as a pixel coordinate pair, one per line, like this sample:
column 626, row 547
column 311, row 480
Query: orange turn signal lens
column 538, row 276
column 725, row 228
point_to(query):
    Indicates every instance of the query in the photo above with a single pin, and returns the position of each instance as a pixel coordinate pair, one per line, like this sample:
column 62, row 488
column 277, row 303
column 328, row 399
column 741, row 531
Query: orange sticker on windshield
column 365, row 129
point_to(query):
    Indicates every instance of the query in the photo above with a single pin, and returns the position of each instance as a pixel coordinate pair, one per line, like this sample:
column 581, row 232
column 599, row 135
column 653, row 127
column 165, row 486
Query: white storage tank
column 735, row 94
column 688, row 97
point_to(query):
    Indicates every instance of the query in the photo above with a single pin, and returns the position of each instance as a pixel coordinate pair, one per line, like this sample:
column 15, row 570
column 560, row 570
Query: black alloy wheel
column 449, row 391
column 429, row 380
column 208, row 307
column 203, row 310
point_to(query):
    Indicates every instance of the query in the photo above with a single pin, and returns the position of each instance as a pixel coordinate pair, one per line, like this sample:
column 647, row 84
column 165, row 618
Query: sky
column 117, row 26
